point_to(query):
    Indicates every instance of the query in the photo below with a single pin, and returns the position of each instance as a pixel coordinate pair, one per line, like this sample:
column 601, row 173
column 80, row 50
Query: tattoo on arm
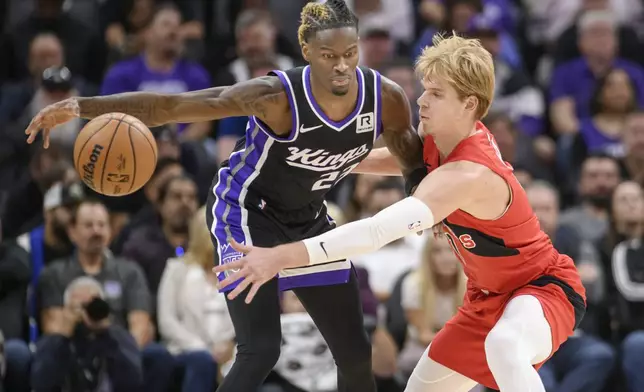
column 399, row 134
column 254, row 97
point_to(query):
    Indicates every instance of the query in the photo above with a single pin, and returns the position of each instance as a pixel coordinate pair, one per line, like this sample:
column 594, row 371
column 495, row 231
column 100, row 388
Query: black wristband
column 413, row 179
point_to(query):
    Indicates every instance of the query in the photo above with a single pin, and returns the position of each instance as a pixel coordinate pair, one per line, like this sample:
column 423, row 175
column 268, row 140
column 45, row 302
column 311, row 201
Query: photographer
column 123, row 284
column 88, row 352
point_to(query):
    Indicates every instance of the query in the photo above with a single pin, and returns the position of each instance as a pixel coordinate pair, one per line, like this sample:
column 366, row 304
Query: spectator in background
column 362, row 187
column 514, row 95
column 126, row 292
column 88, row 351
column 152, row 245
column 305, row 360
column 56, row 85
column 627, row 293
column 84, row 51
column 124, row 23
column 165, row 169
column 598, row 178
column 256, row 40
column 632, row 164
column 22, row 210
column 584, row 362
column 376, row 45
column 160, row 67
column 15, row 355
column 458, row 15
column 388, row 263
column 625, row 225
column 193, row 316
column 629, row 45
column 430, row 296
column 50, row 241
column 517, row 148
column 231, row 129
column 573, row 82
column 614, row 99
column 45, row 51
column 401, row 71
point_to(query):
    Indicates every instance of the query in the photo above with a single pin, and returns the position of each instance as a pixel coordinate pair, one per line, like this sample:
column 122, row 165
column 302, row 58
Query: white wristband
column 408, row 216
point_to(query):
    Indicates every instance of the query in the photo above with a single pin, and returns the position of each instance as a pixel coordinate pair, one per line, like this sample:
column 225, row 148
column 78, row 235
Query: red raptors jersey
column 501, row 255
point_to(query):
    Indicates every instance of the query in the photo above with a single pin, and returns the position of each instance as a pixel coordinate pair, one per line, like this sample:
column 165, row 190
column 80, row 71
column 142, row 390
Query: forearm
column 367, row 235
column 151, row 108
column 379, row 162
column 407, row 147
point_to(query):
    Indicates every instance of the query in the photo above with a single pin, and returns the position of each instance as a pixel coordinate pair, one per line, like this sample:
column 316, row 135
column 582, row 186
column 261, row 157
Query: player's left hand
column 258, row 266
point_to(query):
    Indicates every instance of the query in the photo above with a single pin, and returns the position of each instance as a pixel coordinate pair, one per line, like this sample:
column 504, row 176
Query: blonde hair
column 426, row 278
column 200, row 248
column 464, row 64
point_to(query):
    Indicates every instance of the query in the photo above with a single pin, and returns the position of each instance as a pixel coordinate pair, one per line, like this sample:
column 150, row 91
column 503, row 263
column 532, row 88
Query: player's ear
column 471, row 103
column 305, row 52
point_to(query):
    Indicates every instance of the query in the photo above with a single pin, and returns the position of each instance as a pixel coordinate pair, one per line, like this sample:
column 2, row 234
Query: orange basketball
column 115, row 154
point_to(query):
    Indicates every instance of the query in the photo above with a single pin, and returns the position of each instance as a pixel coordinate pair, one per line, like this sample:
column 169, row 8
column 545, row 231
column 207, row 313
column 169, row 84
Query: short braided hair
column 316, row 17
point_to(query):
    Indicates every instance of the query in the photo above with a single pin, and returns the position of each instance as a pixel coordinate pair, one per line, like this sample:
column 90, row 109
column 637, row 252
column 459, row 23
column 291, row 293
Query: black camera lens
column 97, row 309
column 57, row 79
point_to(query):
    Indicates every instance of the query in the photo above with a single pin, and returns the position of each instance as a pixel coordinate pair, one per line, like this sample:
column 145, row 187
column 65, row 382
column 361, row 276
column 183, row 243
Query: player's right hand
column 50, row 117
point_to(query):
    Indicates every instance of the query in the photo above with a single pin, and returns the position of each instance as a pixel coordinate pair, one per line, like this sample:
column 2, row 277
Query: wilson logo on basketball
column 88, row 168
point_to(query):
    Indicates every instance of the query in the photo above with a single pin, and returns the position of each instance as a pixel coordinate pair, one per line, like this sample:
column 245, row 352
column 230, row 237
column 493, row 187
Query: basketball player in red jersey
column 524, row 299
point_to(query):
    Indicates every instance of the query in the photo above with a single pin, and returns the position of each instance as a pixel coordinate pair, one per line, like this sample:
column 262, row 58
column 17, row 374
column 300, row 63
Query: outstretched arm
column 400, row 136
column 255, row 97
column 455, row 185
column 262, row 97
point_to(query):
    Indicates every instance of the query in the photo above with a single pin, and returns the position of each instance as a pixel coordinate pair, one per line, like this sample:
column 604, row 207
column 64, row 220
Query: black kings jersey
column 295, row 172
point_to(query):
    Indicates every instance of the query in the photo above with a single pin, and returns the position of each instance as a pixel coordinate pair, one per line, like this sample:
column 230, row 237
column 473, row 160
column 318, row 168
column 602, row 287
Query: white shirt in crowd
column 192, row 314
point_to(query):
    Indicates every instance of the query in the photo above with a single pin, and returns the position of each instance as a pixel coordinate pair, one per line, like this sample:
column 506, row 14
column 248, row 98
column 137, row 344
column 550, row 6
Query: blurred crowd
column 116, row 294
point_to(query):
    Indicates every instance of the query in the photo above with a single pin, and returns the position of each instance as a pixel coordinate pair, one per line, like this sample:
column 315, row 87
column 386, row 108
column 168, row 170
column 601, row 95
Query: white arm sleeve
column 367, row 235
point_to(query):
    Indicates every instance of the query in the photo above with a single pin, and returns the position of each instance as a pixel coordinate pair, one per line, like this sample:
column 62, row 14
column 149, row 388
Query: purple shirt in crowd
column 574, row 79
column 134, row 75
column 596, row 141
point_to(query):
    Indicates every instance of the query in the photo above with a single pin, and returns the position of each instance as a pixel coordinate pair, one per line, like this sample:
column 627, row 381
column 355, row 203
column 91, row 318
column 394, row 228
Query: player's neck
column 446, row 142
column 158, row 62
column 336, row 107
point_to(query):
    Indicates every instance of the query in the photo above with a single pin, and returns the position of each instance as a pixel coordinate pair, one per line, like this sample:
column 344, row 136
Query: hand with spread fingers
column 50, row 117
column 259, row 265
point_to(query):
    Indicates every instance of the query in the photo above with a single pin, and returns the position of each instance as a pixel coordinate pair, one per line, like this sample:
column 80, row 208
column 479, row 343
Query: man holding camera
column 88, row 352
column 92, row 334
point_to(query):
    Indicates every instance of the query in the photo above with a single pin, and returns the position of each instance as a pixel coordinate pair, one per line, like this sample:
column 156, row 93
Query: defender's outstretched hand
column 51, row 116
column 258, row 266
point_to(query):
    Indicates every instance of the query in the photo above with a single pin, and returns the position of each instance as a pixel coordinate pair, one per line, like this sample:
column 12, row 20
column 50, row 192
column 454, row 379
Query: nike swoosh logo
column 322, row 246
column 305, row 130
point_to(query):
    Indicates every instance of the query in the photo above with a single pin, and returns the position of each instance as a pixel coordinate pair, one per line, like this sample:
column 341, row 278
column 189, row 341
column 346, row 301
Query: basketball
column 115, row 154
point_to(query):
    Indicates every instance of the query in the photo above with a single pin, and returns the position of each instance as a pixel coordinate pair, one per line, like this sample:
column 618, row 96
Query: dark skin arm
column 263, row 97
column 399, row 134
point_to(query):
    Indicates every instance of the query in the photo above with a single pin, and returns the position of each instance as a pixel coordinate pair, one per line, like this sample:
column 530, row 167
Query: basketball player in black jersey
column 308, row 128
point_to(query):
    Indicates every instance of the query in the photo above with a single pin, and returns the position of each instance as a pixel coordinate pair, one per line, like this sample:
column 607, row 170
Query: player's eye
column 349, row 54
column 327, row 55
